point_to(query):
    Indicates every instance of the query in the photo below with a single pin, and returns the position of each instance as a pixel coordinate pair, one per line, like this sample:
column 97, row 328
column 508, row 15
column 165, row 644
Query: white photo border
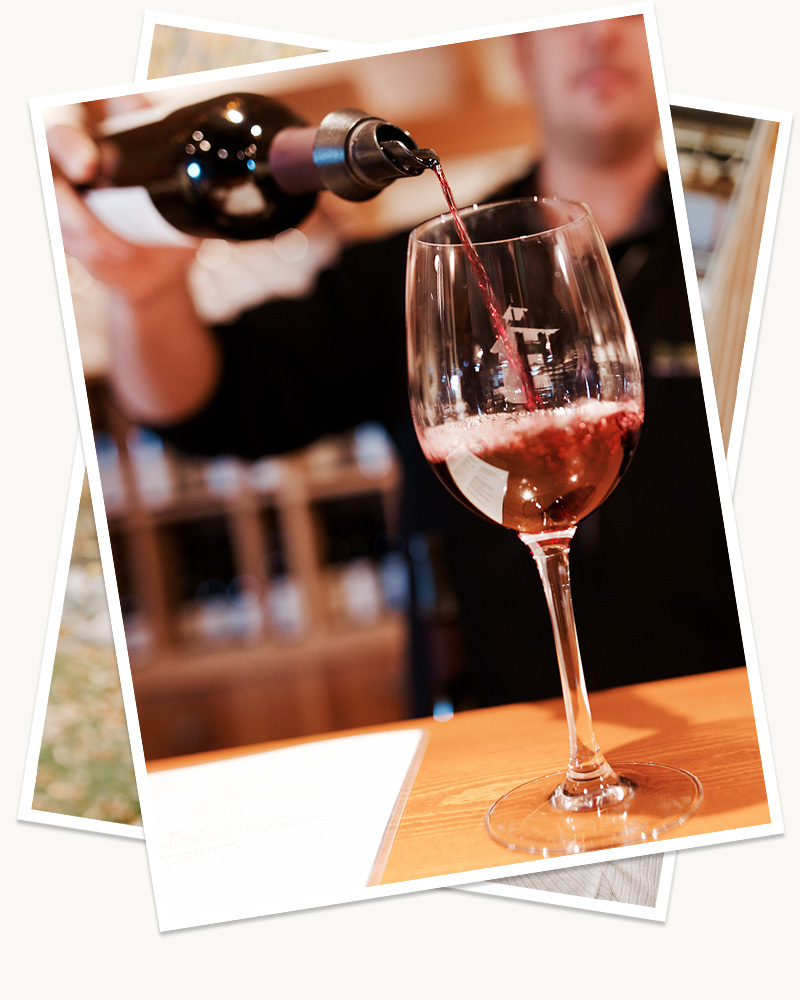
column 656, row 912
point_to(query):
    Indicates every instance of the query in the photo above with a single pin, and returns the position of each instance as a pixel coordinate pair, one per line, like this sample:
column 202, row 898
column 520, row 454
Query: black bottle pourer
column 357, row 155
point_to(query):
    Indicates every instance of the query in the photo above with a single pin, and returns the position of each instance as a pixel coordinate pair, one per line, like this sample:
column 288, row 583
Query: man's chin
column 609, row 140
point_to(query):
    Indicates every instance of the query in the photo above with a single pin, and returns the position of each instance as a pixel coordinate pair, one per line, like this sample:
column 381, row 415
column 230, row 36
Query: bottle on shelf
column 151, row 466
column 111, row 477
column 241, row 167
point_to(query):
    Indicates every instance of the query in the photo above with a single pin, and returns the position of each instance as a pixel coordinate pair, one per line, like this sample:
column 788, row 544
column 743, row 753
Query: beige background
column 73, row 896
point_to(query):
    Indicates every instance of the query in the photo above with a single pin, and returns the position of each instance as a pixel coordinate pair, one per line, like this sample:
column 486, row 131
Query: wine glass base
column 660, row 798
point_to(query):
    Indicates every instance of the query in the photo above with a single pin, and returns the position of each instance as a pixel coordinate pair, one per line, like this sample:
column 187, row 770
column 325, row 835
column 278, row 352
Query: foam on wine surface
column 535, row 471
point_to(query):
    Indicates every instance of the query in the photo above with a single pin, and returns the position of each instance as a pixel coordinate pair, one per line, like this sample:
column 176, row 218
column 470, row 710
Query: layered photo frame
column 225, row 477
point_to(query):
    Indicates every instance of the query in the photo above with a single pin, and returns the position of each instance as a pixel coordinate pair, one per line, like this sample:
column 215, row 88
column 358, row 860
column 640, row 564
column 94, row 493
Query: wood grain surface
column 703, row 723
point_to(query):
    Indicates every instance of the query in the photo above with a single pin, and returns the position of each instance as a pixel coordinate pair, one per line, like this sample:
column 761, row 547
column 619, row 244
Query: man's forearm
column 165, row 363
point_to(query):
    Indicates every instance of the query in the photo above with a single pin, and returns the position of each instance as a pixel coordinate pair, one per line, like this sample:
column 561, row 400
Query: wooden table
column 702, row 723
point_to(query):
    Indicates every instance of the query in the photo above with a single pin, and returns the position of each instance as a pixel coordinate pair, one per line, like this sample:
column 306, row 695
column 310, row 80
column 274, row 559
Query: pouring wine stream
column 411, row 160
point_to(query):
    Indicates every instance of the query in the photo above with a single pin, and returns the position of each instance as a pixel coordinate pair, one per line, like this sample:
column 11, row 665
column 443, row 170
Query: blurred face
column 593, row 87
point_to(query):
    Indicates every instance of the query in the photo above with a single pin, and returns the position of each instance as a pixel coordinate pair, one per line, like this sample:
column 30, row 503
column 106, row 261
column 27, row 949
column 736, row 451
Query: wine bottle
column 241, row 167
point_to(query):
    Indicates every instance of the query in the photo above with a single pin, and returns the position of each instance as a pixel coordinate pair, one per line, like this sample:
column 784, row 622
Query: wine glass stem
column 588, row 769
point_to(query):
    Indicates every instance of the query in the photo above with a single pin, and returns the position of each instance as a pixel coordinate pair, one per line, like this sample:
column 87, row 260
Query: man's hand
column 164, row 362
column 136, row 272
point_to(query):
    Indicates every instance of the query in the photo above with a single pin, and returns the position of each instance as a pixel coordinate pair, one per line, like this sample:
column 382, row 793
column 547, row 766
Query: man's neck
column 617, row 194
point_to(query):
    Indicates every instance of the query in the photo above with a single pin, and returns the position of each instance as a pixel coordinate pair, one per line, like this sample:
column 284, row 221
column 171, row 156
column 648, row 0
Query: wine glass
column 526, row 392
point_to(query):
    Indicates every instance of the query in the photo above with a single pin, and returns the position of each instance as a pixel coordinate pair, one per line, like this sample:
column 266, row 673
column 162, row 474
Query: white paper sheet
column 262, row 833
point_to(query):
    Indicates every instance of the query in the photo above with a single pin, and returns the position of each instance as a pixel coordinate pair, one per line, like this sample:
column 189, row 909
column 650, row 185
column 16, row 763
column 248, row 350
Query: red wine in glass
column 538, row 471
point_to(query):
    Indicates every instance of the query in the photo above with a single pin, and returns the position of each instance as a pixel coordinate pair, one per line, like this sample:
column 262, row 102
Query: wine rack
column 712, row 152
column 261, row 600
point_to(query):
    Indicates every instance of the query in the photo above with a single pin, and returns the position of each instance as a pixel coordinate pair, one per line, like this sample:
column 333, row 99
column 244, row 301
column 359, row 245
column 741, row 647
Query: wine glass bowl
column 556, row 397
column 526, row 392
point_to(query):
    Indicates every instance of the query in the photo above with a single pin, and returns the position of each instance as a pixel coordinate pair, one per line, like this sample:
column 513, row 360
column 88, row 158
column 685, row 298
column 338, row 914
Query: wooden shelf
column 218, row 696
column 209, row 673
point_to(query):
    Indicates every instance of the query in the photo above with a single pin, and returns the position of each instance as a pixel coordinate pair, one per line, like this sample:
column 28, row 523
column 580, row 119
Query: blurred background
column 265, row 600
column 726, row 163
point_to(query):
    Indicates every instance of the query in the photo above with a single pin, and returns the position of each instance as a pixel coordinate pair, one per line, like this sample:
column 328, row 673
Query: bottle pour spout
column 410, row 162
column 357, row 155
